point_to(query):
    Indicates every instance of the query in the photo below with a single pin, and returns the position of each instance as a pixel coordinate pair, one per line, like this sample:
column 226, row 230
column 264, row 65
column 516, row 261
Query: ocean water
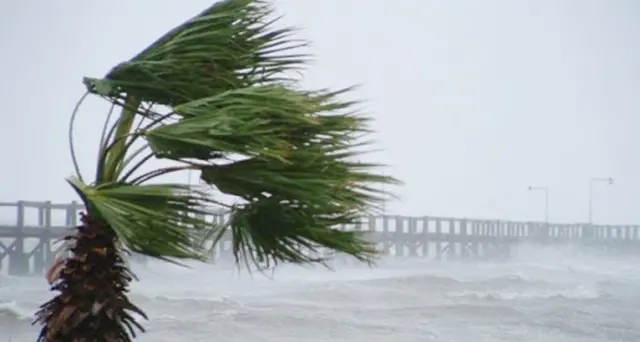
column 542, row 295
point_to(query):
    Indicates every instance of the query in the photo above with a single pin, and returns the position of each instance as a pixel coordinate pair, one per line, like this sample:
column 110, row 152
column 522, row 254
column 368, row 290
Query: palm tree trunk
column 93, row 282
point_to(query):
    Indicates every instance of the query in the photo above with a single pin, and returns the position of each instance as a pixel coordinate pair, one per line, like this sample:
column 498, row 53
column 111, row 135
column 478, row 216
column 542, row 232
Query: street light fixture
column 592, row 181
column 546, row 200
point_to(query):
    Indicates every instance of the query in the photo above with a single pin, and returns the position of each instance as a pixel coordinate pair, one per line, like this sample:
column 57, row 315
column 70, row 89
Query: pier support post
column 42, row 255
column 18, row 260
column 414, row 244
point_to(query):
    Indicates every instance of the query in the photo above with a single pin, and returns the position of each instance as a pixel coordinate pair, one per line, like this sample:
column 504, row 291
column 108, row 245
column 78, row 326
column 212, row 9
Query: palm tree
column 215, row 96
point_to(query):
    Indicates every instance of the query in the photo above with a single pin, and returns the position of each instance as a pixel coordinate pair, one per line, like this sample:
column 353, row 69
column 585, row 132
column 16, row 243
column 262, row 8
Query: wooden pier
column 28, row 244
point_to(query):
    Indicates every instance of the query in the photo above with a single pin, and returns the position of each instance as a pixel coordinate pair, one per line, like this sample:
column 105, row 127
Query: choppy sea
column 542, row 295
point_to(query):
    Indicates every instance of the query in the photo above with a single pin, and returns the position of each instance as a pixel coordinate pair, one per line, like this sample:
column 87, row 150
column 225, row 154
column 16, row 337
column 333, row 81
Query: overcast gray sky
column 474, row 100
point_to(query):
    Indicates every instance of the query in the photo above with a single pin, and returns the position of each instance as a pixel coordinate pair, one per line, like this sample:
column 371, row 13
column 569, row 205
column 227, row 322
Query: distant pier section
column 29, row 244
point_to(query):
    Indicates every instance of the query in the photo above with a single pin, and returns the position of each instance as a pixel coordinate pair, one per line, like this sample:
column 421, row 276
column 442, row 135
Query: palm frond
column 272, row 230
column 164, row 221
column 267, row 121
column 232, row 44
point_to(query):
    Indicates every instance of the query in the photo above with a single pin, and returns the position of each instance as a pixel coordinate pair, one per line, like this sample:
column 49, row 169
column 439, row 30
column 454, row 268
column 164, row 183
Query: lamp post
column 546, row 200
column 592, row 182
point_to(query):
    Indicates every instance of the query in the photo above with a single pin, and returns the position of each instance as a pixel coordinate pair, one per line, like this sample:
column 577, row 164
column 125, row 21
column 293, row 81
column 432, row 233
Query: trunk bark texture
column 92, row 285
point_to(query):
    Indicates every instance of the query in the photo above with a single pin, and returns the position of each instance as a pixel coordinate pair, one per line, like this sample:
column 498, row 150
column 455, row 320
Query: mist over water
column 543, row 294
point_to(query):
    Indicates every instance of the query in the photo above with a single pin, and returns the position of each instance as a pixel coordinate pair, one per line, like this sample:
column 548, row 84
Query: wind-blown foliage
column 238, row 118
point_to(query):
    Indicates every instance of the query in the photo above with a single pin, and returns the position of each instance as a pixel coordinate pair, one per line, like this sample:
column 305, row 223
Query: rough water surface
column 542, row 295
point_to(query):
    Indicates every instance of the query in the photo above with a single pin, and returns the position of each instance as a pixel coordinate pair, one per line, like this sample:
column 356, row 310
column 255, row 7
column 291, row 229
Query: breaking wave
column 580, row 292
column 12, row 311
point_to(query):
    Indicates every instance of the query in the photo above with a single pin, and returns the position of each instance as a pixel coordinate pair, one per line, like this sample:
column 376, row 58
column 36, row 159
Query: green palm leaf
column 267, row 121
column 272, row 230
column 160, row 220
column 233, row 44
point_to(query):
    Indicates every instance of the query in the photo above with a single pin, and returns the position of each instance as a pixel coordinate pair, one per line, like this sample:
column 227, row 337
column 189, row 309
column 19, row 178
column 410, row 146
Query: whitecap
column 580, row 292
column 13, row 309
